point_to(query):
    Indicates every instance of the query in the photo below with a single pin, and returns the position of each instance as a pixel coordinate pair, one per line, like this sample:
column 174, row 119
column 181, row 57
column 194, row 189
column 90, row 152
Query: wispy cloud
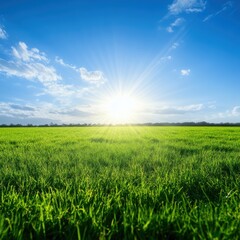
column 178, row 22
column 179, row 8
column 236, row 111
column 177, row 110
column 40, row 72
column 95, row 77
column 187, row 6
column 229, row 114
column 29, row 70
column 225, row 7
column 32, row 64
column 166, row 58
column 185, row 72
column 61, row 62
column 44, row 112
column 174, row 46
column 13, row 109
column 22, row 52
column 21, row 107
column 3, row 33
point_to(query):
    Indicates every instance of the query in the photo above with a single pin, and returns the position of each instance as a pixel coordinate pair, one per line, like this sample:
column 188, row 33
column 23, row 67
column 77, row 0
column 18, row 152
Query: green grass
column 120, row 183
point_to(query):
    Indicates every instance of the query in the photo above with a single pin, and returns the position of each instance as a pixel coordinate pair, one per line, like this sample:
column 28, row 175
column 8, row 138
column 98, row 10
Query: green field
column 120, row 183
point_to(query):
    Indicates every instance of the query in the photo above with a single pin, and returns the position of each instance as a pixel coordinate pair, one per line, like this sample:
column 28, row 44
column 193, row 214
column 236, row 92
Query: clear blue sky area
column 149, row 60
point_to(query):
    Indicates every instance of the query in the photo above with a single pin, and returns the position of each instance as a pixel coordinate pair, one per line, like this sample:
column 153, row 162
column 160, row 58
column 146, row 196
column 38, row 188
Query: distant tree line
column 133, row 124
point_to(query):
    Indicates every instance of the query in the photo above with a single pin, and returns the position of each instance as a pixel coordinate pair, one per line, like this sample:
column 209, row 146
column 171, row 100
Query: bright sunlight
column 121, row 108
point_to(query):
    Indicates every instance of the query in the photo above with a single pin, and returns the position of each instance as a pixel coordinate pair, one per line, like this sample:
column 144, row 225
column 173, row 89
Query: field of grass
column 120, row 183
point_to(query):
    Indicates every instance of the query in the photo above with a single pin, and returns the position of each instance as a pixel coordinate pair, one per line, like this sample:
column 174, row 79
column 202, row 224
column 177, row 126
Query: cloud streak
column 225, row 7
column 179, row 110
column 3, row 33
column 26, row 113
column 61, row 62
column 166, row 58
column 178, row 22
column 174, row 46
column 186, row 6
column 93, row 77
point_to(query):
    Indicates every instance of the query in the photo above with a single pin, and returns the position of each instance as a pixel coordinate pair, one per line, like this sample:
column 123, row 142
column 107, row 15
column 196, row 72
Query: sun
column 121, row 108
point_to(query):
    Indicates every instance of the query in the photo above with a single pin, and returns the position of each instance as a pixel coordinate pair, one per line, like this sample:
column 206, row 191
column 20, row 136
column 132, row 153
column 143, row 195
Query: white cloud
column 174, row 46
column 61, row 91
column 178, row 22
column 236, row 111
column 61, row 62
column 212, row 106
column 193, row 107
column 3, row 33
column 169, row 29
column 178, row 110
column 13, row 109
column 95, row 77
column 29, row 70
column 188, row 6
column 185, row 72
column 225, row 6
column 33, row 65
column 43, row 112
column 28, row 55
column 230, row 113
column 44, row 74
column 166, row 58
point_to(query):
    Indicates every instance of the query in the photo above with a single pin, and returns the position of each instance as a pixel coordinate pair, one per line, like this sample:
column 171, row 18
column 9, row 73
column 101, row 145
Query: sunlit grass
column 120, row 183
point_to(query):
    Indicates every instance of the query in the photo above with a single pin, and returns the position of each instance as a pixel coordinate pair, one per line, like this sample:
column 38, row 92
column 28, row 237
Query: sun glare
column 121, row 109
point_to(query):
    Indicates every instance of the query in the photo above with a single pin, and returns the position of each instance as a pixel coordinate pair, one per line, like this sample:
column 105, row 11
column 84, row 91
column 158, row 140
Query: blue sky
column 65, row 61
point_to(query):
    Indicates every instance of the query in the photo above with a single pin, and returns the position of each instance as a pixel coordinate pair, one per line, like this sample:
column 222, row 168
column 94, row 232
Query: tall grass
column 120, row 183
